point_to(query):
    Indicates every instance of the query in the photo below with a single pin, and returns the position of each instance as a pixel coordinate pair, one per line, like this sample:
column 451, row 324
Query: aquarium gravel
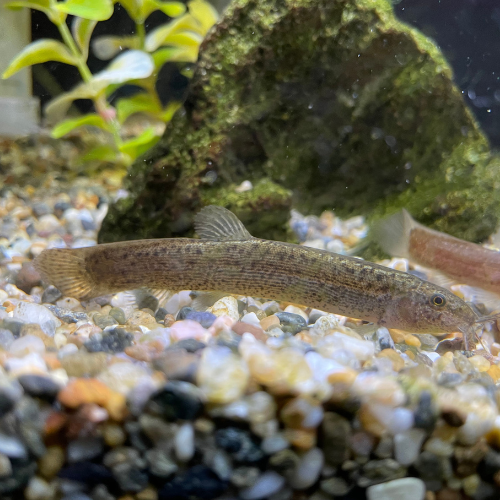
column 120, row 399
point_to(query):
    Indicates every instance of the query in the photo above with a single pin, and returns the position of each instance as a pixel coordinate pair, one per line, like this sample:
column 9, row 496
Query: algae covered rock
column 320, row 104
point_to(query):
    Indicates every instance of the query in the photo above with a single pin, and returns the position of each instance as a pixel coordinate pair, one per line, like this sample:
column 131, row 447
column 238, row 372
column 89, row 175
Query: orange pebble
column 52, row 361
column 494, row 372
column 398, row 336
column 55, row 422
column 412, row 340
column 397, row 361
column 344, row 377
column 81, row 391
column 305, row 439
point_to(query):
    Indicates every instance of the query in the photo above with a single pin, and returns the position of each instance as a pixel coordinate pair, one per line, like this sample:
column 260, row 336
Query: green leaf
column 106, row 47
column 127, row 66
column 184, row 39
column 133, row 7
column 44, row 5
column 204, row 13
column 139, row 103
column 174, row 54
column 100, row 153
column 82, row 31
column 67, row 126
column 171, row 9
column 156, row 38
column 138, row 145
column 169, row 111
column 57, row 108
column 39, row 52
column 96, row 10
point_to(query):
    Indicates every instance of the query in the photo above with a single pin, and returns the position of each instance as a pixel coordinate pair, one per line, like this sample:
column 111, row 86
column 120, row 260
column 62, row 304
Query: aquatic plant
column 177, row 40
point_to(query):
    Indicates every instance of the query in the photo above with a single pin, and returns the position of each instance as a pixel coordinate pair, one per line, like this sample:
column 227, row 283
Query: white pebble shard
column 407, row 488
column 308, row 469
column 35, row 313
column 184, row 443
column 226, row 306
column 251, row 319
column 407, row 445
column 222, row 376
column 266, row 485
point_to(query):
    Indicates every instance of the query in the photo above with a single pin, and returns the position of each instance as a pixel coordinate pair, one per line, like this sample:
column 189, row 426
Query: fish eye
column 438, row 299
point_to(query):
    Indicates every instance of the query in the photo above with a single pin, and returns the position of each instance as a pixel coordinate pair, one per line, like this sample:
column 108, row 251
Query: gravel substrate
column 250, row 399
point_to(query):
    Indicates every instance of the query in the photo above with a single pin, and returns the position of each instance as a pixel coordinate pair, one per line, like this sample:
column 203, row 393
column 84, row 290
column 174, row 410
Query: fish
column 226, row 258
column 455, row 260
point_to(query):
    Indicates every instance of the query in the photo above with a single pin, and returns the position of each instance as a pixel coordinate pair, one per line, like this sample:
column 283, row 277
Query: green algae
column 320, row 104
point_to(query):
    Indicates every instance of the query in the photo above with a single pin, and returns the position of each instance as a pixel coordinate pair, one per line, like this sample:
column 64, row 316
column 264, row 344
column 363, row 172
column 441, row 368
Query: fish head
column 431, row 309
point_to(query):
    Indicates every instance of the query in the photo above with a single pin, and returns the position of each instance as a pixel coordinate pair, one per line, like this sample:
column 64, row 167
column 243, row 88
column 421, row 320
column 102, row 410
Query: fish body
column 229, row 259
column 462, row 261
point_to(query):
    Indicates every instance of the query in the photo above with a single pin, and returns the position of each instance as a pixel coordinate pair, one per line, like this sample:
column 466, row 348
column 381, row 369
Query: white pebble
column 395, row 420
column 69, row 303
column 407, row 445
column 25, row 345
column 407, row 488
column 308, row 469
column 32, row 363
column 184, row 443
column 67, row 349
column 36, row 313
column 273, row 444
column 297, row 310
column 251, row 319
column 362, row 349
column 60, row 340
column 226, row 306
column 266, row 485
column 222, row 376
column 327, row 324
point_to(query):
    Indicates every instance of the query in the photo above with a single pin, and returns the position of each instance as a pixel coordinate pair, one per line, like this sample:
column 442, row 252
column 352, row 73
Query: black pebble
column 183, row 312
column 239, row 443
column 51, row 294
column 426, row 412
column 130, row 478
column 22, row 471
column 205, row 319
column 87, row 473
column 291, row 323
column 160, row 314
column 190, row 345
column 197, row 482
column 176, row 400
column 115, row 340
column 13, row 325
column 39, row 386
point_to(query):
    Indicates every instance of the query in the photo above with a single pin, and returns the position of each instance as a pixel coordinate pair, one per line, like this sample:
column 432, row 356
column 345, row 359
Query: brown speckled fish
column 461, row 261
column 228, row 259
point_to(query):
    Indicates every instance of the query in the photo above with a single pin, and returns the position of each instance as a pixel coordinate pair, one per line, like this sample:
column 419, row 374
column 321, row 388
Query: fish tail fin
column 393, row 233
column 66, row 269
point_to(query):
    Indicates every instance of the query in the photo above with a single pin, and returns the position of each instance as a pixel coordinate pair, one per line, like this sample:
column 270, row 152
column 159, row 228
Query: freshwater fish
column 461, row 261
column 228, row 259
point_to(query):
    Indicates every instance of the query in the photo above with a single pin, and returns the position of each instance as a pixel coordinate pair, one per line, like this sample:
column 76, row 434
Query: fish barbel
column 228, row 259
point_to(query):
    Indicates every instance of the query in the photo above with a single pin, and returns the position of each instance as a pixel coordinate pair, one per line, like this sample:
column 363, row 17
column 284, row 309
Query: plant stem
column 70, row 43
column 141, row 33
column 100, row 102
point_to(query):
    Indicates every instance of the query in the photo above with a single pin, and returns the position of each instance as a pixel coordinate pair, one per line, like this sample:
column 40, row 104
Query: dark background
column 467, row 31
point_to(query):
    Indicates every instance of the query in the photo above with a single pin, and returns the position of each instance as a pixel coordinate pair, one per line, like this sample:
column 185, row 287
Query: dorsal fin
column 219, row 224
column 393, row 233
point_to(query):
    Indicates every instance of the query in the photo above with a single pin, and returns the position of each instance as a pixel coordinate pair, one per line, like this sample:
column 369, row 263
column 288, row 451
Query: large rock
column 320, row 104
